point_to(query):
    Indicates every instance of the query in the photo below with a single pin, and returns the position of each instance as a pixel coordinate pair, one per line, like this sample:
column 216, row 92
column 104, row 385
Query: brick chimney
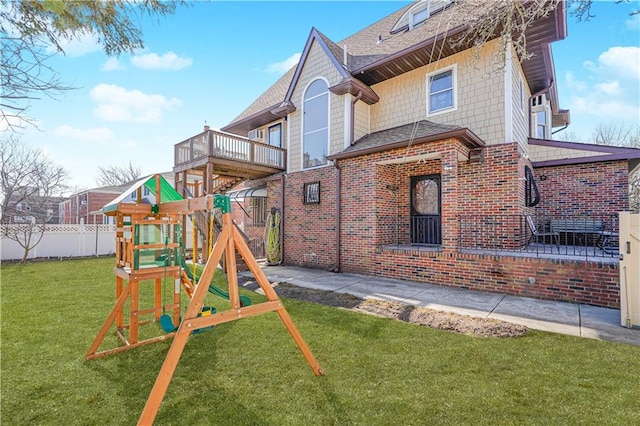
column 206, row 128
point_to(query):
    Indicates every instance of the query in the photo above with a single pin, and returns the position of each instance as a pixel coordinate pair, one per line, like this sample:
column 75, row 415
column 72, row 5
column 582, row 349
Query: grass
column 249, row 372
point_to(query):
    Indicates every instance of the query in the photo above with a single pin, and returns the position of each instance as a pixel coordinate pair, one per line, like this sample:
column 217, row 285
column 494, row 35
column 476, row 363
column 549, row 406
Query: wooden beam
column 186, row 206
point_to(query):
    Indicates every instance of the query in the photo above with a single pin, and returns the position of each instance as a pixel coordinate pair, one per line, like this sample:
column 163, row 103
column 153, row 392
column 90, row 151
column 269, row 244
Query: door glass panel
column 425, row 197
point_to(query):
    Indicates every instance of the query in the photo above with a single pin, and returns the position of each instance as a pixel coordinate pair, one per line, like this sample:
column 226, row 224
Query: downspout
column 559, row 130
column 335, row 163
column 353, row 118
column 282, row 204
column 337, row 267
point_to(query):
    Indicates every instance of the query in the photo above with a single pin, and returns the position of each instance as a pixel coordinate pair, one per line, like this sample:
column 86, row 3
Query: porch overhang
column 464, row 135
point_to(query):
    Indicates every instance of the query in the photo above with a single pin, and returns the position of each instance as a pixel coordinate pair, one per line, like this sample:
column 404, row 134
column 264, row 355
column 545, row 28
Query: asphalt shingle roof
column 363, row 49
column 406, row 132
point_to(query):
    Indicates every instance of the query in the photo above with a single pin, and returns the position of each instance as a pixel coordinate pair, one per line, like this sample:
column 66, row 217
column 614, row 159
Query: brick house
column 409, row 158
column 86, row 206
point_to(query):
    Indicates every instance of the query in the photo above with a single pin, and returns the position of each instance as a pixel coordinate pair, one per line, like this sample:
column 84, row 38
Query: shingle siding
column 480, row 97
column 317, row 65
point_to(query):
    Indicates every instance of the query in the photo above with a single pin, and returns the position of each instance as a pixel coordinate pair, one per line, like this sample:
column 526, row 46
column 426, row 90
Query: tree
column 627, row 136
column 32, row 188
column 28, row 27
column 507, row 20
column 116, row 175
column 616, row 134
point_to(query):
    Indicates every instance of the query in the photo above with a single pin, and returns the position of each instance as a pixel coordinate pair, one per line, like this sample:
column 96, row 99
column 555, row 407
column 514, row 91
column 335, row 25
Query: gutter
column 336, row 268
column 353, row 119
column 282, row 204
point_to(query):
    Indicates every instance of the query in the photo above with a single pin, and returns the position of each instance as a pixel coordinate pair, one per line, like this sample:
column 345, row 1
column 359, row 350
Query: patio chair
column 535, row 232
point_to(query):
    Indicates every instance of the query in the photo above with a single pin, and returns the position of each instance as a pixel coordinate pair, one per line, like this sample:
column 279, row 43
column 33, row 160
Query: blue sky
column 210, row 60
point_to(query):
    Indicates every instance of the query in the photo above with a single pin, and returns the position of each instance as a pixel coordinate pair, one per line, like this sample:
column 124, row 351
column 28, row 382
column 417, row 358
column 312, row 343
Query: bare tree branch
column 31, row 188
column 116, row 175
column 29, row 27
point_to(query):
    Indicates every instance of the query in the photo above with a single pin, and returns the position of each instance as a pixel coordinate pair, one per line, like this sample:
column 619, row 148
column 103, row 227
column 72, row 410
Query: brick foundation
column 591, row 283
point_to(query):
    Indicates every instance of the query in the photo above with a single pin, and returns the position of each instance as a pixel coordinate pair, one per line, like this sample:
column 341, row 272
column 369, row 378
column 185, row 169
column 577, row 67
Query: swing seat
column 205, row 312
column 166, row 321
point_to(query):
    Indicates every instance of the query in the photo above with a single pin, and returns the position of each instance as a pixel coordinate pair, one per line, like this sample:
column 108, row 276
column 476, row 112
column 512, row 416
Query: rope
column 165, row 234
column 194, row 244
column 210, row 235
column 272, row 237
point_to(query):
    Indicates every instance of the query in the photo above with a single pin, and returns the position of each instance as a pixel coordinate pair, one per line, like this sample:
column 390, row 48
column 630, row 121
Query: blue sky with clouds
column 210, row 60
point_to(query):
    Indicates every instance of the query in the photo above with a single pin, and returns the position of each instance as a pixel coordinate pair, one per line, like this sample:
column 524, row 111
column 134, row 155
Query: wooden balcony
column 224, row 154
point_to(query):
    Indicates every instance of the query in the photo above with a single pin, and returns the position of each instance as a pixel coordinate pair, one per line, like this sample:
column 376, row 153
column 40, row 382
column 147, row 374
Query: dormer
column 418, row 14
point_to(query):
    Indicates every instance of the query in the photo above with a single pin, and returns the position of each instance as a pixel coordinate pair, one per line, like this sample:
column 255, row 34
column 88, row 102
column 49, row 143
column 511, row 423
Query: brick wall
column 309, row 236
column 590, row 283
column 593, row 189
column 375, row 200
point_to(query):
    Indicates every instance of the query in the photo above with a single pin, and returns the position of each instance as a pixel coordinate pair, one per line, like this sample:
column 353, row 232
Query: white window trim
column 418, row 9
column 534, row 119
column 454, row 78
column 328, row 123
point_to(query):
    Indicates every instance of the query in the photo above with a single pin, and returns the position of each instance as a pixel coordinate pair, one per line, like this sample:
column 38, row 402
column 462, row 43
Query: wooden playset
column 149, row 247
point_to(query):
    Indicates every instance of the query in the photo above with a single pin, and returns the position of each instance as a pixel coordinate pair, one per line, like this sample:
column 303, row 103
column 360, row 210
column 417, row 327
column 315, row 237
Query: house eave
column 355, row 87
column 609, row 153
column 259, row 119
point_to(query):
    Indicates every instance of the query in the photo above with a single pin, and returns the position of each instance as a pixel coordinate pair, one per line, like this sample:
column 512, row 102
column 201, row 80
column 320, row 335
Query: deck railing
column 217, row 144
column 593, row 236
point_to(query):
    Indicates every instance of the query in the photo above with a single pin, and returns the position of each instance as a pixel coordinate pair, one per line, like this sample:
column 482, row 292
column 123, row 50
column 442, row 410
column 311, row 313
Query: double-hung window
column 541, row 117
column 275, row 135
column 441, row 91
column 315, row 124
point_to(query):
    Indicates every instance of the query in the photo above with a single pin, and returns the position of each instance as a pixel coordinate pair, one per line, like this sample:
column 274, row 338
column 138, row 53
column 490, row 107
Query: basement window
column 311, row 193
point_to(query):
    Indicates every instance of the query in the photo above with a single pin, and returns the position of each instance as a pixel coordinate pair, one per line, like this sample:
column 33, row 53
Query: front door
column 425, row 209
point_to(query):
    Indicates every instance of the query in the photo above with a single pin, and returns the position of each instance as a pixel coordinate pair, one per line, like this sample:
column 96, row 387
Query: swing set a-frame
column 149, row 248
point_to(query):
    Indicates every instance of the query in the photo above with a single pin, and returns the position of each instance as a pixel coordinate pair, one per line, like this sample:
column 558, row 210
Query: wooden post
column 119, row 312
column 157, row 294
column 180, row 340
column 133, row 313
column 228, row 241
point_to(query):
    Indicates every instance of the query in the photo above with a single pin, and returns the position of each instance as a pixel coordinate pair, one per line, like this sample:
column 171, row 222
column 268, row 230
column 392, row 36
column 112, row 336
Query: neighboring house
column 393, row 154
column 85, row 206
column 27, row 206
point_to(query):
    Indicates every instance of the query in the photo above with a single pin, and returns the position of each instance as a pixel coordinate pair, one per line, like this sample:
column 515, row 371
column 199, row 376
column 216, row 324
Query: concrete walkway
column 557, row 317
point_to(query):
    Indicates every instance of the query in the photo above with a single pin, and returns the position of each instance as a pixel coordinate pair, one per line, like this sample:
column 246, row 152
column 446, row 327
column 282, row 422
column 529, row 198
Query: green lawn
column 249, row 372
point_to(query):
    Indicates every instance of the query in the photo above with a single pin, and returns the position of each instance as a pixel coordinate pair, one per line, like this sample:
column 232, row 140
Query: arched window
column 315, row 125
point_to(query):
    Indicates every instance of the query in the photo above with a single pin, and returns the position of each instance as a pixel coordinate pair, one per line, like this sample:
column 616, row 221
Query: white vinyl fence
column 65, row 241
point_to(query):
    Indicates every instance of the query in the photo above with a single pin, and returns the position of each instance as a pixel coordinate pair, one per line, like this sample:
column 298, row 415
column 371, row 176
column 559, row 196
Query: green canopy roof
column 167, row 193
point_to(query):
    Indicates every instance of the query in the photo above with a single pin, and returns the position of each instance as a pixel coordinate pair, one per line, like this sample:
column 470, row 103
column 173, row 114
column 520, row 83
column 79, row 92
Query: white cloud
column 168, row 61
column 93, row 134
column 77, row 46
column 116, row 103
column 284, row 66
column 609, row 87
column 622, row 61
column 572, row 83
column 604, row 108
column 112, row 64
